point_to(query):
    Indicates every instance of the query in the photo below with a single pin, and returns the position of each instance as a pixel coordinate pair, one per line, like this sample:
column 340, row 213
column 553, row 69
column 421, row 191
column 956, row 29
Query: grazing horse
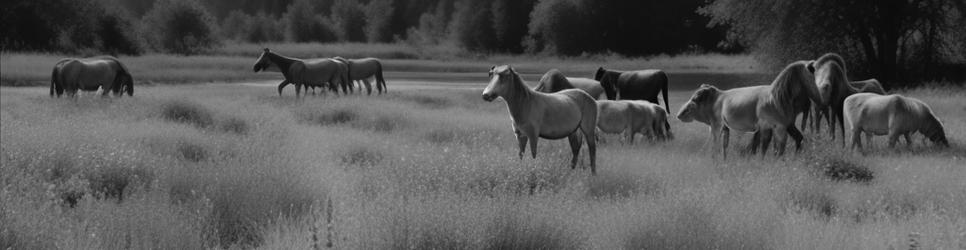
column 541, row 115
column 632, row 116
column 766, row 109
column 89, row 74
column 633, row 85
column 365, row 69
column 554, row 81
column 892, row 115
column 308, row 72
column 864, row 86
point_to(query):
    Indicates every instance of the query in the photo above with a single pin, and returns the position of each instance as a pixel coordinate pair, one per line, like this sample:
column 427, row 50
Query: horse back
column 642, row 84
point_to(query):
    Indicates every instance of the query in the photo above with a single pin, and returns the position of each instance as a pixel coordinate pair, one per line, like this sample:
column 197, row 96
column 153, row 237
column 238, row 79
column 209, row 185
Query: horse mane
column 519, row 86
column 550, row 80
column 283, row 62
column 826, row 58
column 840, row 82
column 790, row 83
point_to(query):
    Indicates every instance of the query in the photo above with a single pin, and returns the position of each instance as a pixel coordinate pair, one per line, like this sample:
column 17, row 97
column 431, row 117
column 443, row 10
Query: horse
column 364, row 69
column 633, row 85
column 310, row 72
column 833, row 83
column 89, row 74
column 762, row 109
column 631, row 117
column 554, row 81
column 545, row 115
column 892, row 115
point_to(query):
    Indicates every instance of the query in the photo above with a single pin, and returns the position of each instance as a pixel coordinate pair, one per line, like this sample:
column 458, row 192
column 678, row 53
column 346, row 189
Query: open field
column 233, row 63
column 220, row 165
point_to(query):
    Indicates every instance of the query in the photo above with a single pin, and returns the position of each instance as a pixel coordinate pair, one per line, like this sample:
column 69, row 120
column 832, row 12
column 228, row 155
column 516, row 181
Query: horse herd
column 561, row 107
column 576, row 108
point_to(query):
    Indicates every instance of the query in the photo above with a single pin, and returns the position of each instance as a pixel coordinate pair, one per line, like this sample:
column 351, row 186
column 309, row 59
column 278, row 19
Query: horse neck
column 842, row 88
column 518, row 95
column 283, row 62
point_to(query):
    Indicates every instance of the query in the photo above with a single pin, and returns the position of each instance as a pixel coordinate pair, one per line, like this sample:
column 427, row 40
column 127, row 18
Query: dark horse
column 633, row 85
column 308, row 72
column 89, row 74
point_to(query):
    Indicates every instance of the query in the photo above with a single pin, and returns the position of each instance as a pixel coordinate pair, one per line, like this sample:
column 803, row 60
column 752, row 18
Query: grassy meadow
column 223, row 166
column 233, row 63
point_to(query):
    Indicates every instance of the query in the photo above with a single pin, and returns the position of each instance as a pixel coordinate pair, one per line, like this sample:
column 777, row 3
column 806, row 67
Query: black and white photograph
column 482, row 124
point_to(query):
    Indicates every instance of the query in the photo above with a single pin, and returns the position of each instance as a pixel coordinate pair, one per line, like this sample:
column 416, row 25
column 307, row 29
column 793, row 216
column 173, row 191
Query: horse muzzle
column 489, row 97
column 256, row 68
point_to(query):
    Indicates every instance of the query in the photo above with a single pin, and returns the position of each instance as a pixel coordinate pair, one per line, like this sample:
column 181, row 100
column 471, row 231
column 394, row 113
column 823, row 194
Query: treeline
column 565, row 27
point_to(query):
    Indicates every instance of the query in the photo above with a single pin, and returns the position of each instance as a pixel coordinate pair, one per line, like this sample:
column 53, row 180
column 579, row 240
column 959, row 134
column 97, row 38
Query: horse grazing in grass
column 554, row 81
column 309, row 72
column 541, row 115
column 89, row 74
column 832, row 80
column 864, row 86
column 762, row 109
column 633, row 85
column 892, row 115
column 364, row 69
column 632, row 117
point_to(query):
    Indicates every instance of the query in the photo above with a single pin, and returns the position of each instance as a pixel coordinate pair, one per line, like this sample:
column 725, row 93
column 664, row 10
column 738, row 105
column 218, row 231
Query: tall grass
column 436, row 170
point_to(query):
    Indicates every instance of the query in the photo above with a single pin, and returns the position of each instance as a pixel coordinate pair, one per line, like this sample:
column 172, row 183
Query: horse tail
column 56, row 83
column 667, row 105
column 380, row 81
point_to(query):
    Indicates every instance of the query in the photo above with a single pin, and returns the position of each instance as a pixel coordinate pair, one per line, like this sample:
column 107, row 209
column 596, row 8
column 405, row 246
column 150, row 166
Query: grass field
column 233, row 63
column 217, row 166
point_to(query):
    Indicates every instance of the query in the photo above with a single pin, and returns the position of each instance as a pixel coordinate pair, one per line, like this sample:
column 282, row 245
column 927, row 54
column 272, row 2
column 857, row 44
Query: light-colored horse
column 89, row 74
column 554, row 81
column 634, row 85
column 864, row 86
column 832, row 79
column 550, row 116
column 364, row 69
column 632, row 117
column 309, row 72
column 892, row 115
column 766, row 109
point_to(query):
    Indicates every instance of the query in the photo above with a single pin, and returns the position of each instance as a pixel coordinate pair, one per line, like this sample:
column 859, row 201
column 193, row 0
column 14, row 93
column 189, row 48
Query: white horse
column 632, row 117
column 550, row 116
column 892, row 115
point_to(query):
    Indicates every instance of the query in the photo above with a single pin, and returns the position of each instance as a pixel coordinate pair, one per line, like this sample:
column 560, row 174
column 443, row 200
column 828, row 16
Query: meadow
column 225, row 166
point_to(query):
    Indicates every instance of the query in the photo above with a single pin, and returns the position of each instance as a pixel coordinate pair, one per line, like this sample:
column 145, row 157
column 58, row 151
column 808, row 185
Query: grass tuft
column 187, row 112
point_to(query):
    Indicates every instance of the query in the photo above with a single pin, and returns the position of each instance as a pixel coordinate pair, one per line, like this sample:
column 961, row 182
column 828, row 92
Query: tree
column 893, row 40
column 180, row 26
column 303, row 25
column 378, row 27
column 348, row 20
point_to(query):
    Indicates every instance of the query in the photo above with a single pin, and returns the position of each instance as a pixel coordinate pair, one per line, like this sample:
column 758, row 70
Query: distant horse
column 633, row 85
column 89, row 74
column 765, row 109
column 310, row 72
column 892, row 115
column 632, row 117
column 550, row 116
column 554, row 81
column 365, row 69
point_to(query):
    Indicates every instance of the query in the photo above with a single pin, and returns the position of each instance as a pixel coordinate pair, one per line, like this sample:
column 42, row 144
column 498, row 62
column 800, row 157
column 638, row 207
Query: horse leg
column 798, row 137
column 574, row 148
column 590, row 136
column 725, row 137
column 908, row 140
column 522, row 142
column 893, row 138
column 856, row 139
column 368, row 86
column 766, row 135
column 840, row 119
column 753, row 144
column 298, row 90
column 782, row 140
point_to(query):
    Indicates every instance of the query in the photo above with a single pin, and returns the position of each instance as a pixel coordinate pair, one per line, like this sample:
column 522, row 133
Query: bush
column 264, row 28
column 472, row 25
column 186, row 112
column 180, row 26
column 72, row 26
column 555, row 27
column 236, row 25
column 379, row 21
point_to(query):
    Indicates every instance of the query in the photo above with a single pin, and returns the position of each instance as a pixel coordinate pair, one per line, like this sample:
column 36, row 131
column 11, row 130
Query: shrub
column 264, row 28
column 555, row 27
column 472, row 26
column 236, row 25
column 347, row 20
column 303, row 25
column 379, row 21
column 185, row 112
column 180, row 26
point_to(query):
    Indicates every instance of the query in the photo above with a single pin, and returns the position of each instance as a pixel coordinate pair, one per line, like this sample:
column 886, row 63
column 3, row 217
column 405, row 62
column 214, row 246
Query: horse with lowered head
column 633, row 85
column 554, row 81
column 545, row 115
column 89, row 74
column 892, row 115
column 364, row 69
column 831, row 77
column 768, row 110
column 309, row 72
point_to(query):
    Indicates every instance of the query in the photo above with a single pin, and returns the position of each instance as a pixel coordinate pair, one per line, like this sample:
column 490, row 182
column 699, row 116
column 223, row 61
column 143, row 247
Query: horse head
column 703, row 97
column 501, row 80
column 608, row 81
column 263, row 62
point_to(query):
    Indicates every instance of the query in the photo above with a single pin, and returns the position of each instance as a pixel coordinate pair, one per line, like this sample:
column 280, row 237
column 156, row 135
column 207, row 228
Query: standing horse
column 632, row 117
column 633, row 85
column 864, row 86
column 550, row 116
column 309, row 72
column 833, row 83
column 765, row 109
column 89, row 74
column 554, row 81
column 365, row 69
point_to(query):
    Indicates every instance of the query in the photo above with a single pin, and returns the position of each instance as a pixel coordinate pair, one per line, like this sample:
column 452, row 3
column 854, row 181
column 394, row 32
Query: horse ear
column 266, row 50
column 810, row 66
